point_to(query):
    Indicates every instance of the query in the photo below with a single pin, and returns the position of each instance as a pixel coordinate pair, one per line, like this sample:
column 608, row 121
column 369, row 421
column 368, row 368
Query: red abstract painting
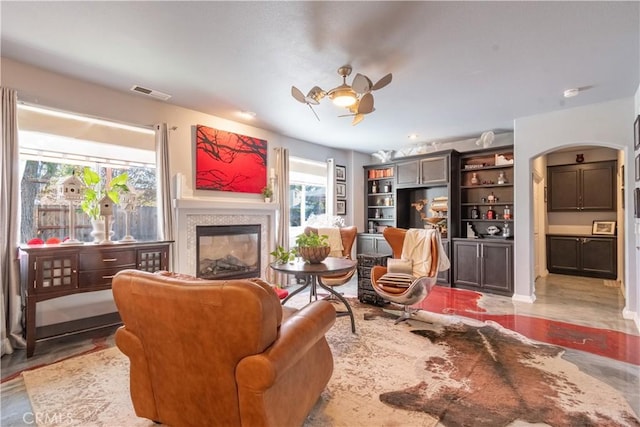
column 227, row 161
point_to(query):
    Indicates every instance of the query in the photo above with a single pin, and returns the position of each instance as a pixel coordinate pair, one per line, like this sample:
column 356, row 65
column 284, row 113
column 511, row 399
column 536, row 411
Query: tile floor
column 581, row 314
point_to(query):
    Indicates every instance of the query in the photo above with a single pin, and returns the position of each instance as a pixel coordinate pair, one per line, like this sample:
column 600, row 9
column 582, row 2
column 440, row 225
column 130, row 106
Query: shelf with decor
column 486, row 193
column 380, row 208
column 483, row 252
column 380, row 197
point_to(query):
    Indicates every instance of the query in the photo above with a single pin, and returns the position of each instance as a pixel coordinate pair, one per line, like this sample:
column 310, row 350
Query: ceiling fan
column 356, row 98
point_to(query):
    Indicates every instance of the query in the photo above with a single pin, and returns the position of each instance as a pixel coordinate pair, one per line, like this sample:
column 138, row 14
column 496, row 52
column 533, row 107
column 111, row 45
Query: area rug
column 442, row 370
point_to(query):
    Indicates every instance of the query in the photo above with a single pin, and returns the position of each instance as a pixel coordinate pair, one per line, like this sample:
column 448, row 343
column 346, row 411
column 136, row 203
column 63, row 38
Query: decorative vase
column 314, row 254
column 267, row 199
column 98, row 233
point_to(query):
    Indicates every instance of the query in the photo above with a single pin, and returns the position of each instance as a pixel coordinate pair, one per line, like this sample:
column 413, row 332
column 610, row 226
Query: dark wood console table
column 53, row 271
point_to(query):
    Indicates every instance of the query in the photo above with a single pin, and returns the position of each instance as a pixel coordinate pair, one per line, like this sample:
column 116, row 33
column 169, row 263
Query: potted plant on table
column 312, row 247
column 94, row 192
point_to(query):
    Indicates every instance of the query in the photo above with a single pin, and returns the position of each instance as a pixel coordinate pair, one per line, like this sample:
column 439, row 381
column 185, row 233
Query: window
column 55, row 145
column 307, row 193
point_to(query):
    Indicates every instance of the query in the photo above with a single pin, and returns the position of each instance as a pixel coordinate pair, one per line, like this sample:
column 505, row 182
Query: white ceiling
column 459, row 68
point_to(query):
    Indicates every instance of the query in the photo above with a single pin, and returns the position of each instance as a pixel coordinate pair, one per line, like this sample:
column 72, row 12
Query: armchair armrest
column 297, row 335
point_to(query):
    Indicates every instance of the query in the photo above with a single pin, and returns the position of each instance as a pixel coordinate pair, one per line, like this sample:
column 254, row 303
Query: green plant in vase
column 267, row 193
column 312, row 247
column 94, row 191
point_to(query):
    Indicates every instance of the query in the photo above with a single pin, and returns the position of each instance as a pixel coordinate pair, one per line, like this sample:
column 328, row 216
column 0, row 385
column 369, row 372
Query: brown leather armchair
column 220, row 353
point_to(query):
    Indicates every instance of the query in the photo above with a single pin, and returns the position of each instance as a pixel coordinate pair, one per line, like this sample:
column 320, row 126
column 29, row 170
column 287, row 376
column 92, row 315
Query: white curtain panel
column 165, row 211
column 282, row 199
column 10, row 308
column 282, row 196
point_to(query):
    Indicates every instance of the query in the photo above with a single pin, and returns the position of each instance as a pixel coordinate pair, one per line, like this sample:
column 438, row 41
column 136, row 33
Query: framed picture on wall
column 341, row 190
column 604, row 227
column 636, row 202
column 636, row 133
column 637, row 168
column 341, row 207
column 341, row 173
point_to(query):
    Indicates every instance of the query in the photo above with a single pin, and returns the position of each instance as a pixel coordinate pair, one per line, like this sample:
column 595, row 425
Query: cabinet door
column 434, row 170
column 407, row 173
column 497, row 274
column 563, row 254
column 599, row 258
column 598, row 186
column 444, row 277
column 563, row 188
column 56, row 273
column 366, row 245
column 152, row 259
column 382, row 246
column 466, row 266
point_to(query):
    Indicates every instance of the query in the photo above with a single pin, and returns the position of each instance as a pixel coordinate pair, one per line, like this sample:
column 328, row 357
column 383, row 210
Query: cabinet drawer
column 101, row 277
column 94, row 261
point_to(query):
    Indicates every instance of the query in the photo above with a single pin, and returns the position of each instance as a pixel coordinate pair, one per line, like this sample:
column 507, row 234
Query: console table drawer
column 100, row 277
column 107, row 259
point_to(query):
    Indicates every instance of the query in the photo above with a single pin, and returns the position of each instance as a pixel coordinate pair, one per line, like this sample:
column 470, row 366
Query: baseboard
column 632, row 315
column 530, row 299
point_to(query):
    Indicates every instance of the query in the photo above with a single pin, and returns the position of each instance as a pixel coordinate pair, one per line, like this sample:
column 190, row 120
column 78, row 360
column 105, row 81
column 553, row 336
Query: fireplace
column 228, row 251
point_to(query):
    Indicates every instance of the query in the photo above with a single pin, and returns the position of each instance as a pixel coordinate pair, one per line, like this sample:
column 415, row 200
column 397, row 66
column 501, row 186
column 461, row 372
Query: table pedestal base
column 311, row 280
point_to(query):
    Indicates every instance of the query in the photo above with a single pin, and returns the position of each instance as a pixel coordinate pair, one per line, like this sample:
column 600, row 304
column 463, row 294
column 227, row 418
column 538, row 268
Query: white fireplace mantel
column 191, row 212
column 223, row 204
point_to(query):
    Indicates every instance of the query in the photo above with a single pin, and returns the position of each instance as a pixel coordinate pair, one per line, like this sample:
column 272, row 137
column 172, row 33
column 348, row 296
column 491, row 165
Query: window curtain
column 282, row 199
column 10, row 308
column 165, row 211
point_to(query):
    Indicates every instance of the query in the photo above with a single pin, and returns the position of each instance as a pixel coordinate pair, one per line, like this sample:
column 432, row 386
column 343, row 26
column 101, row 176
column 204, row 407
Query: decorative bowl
column 314, row 254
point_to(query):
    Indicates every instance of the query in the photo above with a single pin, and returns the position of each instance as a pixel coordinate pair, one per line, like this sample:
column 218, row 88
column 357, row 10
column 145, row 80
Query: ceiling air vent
column 150, row 92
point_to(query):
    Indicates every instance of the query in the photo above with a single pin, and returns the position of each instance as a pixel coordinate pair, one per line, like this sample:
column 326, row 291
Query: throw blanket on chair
column 335, row 240
column 420, row 246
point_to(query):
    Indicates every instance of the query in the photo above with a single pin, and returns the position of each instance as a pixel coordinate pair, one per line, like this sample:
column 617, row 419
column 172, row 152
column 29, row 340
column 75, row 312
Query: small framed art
column 637, row 168
column 636, row 202
column 341, row 190
column 636, row 133
column 604, row 227
column 341, row 207
column 341, row 173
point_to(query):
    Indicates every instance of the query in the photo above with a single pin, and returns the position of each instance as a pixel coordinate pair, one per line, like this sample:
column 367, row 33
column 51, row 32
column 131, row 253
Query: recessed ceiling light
column 247, row 115
column 570, row 93
column 413, row 136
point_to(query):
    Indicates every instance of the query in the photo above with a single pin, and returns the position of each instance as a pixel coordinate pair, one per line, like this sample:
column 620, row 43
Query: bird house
column 106, row 206
column 71, row 189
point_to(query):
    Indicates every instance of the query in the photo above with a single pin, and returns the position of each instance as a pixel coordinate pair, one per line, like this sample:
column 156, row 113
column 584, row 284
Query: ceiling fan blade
column 314, row 112
column 347, row 115
column 298, row 95
column 366, row 104
column 361, row 84
column 357, row 119
column 382, row 82
column 315, row 95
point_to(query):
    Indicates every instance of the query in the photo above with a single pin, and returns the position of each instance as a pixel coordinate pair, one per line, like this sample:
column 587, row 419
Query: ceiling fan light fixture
column 343, row 96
